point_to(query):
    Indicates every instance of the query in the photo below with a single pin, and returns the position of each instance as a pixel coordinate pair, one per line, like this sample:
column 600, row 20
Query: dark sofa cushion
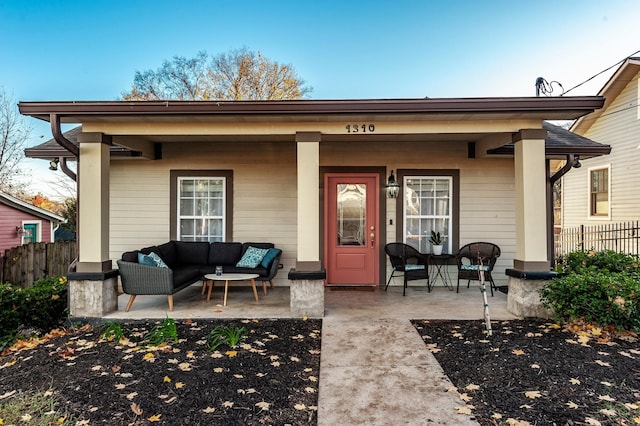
column 168, row 253
column 192, row 252
column 224, row 253
column 263, row 272
column 185, row 275
column 148, row 250
column 245, row 246
column 130, row 256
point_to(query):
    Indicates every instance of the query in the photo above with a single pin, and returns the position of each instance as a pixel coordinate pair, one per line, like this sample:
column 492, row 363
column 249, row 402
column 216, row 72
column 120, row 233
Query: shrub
column 600, row 287
column 43, row 307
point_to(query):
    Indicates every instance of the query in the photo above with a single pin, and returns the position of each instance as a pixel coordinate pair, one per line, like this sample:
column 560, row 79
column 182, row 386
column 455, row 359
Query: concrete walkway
column 374, row 368
column 379, row 372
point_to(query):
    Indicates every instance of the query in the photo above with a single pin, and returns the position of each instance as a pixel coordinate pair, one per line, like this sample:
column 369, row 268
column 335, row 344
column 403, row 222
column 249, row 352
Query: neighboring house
column 607, row 189
column 22, row 223
column 310, row 176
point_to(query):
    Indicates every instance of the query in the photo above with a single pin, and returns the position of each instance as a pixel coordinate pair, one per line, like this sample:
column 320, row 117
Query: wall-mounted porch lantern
column 393, row 189
column 19, row 230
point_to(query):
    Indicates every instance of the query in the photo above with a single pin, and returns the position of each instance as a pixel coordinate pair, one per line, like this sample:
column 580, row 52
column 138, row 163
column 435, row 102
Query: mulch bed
column 536, row 372
column 272, row 378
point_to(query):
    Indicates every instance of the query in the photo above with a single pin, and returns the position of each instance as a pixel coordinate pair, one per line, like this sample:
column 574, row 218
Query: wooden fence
column 27, row 263
column 621, row 237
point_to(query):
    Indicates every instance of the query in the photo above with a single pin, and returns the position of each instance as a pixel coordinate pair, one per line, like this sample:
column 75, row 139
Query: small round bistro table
column 230, row 277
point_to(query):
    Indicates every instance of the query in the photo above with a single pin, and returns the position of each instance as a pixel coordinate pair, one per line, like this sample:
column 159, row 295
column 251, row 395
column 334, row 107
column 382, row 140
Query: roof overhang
column 137, row 125
column 610, row 91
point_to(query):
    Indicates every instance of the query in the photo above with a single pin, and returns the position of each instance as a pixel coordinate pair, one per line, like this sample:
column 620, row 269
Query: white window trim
column 449, row 236
column 589, row 170
column 38, row 224
column 224, row 202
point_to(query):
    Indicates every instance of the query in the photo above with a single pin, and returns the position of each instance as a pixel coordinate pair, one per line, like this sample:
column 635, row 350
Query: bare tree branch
column 237, row 75
column 14, row 133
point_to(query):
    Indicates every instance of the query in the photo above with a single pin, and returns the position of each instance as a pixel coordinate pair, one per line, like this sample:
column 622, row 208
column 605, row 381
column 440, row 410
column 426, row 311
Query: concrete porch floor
column 418, row 303
column 374, row 367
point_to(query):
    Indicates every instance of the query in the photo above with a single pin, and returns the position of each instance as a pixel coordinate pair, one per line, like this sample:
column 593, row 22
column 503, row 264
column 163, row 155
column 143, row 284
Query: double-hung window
column 428, row 206
column 200, row 206
column 599, row 192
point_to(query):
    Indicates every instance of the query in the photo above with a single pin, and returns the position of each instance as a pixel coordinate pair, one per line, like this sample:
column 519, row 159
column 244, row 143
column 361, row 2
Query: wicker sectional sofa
column 184, row 263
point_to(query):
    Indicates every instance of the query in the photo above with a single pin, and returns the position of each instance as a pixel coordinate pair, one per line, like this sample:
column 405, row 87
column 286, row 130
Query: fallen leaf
column 472, row 387
column 263, row 405
column 574, row 381
column 607, row 384
column 170, row 400
column 517, row 352
column 227, row 404
column 496, row 416
column 534, row 366
column 300, row 407
column 463, row 410
column 238, row 376
column 120, row 386
column 208, row 410
column 527, row 406
column 26, row 418
column 602, row 363
column 608, row 412
column 516, row 422
column 7, row 394
column 313, row 379
column 572, row 405
column 136, row 409
column 166, row 379
column 155, row 418
column 132, row 395
column 533, row 394
column 309, row 390
column 179, row 385
column 592, row 421
column 218, row 370
column 606, row 398
column 465, row 397
column 231, row 354
column 184, row 366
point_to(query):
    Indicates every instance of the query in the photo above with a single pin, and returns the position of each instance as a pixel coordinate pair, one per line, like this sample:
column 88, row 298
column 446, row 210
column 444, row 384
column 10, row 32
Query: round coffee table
column 230, row 277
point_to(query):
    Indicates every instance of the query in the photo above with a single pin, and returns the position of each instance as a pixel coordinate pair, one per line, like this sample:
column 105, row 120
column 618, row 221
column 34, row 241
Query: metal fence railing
column 622, row 237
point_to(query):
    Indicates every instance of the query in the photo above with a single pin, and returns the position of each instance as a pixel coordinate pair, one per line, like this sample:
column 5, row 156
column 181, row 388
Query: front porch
column 440, row 303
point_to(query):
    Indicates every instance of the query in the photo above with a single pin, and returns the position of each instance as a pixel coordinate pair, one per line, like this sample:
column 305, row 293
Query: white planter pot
column 436, row 250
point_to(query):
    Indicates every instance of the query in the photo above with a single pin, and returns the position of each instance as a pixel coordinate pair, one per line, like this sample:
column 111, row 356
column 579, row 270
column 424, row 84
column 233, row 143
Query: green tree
column 14, row 133
column 240, row 74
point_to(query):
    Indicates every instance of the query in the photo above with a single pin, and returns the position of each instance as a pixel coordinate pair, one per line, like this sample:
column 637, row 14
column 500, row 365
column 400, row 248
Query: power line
column 601, row 72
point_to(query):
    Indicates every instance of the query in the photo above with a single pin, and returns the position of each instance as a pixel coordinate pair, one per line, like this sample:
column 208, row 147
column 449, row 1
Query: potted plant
column 436, row 243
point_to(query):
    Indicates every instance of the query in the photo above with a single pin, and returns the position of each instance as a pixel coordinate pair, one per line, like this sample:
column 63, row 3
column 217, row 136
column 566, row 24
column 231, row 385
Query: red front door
column 351, row 228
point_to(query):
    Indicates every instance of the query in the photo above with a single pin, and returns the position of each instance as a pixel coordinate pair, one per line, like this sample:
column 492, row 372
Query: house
column 311, row 177
column 606, row 190
column 22, row 223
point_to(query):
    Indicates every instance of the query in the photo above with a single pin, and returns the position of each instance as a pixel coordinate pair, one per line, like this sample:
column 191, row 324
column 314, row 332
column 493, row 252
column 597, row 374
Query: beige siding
column 264, row 191
column 264, row 194
column 487, row 189
column 619, row 127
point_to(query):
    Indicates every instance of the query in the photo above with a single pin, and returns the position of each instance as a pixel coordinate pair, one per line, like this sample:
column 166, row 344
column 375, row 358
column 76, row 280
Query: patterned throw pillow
column 413, row 267
column 151, row 259
column 473, row 267
column 145, row 259
column 159, row 262
column 252, row 257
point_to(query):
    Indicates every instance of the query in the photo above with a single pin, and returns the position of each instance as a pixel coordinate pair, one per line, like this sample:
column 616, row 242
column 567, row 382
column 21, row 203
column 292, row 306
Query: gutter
column 66, row 144
column 573, row 161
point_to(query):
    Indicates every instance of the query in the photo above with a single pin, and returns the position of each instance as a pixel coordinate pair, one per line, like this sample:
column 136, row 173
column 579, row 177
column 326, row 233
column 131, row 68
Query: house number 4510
column 360, row 128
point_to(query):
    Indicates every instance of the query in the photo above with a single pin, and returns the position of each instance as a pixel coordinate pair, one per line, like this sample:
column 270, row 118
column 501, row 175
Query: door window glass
column 352, row 202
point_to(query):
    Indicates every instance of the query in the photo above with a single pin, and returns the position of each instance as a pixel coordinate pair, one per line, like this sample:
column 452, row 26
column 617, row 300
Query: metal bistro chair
column 408, row 261
column 467, row 259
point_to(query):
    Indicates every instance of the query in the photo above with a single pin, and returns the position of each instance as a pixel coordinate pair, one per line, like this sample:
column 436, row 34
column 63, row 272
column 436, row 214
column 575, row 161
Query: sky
column 65, row 50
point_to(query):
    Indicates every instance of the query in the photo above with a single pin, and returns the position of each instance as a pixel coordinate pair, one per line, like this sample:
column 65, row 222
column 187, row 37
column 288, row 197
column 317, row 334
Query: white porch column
column 307, row 278
column 93, row 287
column 308, row 148
column 531, row 207
column 531, row 266
column 93, row 205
